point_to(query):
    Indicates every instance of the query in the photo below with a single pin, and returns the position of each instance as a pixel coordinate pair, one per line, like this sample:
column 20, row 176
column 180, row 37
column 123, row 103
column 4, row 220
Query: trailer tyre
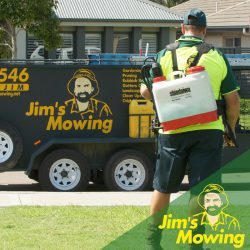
column 128, row 170
column 64, row 170
column 11, row 146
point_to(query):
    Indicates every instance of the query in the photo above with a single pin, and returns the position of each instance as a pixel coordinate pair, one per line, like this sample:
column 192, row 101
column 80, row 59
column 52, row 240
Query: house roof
column 114, row 10
column 220, row 13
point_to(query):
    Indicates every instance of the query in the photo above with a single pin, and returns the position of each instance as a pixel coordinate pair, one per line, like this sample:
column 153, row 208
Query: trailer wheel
column 128, row 170
column 64, row 170
column 11, row 146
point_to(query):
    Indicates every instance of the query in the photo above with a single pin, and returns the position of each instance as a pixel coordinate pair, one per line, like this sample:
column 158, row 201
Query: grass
column 93, row 228
column 69, row 227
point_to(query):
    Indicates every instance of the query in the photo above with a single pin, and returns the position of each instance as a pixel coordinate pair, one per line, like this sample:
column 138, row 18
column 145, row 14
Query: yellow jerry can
column 141, row 114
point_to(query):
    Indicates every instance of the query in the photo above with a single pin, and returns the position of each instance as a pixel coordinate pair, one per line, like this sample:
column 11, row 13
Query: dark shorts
column 199, row 153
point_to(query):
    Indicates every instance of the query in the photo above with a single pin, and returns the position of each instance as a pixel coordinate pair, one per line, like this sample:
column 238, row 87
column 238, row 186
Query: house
column 228, row 22
column 107, row 26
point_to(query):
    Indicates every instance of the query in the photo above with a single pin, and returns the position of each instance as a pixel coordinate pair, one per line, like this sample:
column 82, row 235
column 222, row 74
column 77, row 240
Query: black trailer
column 65, row 131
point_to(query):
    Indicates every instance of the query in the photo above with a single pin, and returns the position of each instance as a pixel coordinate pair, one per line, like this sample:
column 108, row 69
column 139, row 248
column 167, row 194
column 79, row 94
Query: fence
column 242, row 75
column 235, row 50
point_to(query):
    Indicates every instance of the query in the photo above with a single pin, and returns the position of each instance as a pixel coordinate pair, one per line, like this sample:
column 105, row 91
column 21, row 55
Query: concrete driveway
column 17, row 189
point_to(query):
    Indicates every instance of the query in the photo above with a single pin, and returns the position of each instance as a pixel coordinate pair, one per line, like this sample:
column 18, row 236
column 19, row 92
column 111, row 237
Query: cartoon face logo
column 213, row 203
column 83, row 86
column 83, row 89
column 213, row 199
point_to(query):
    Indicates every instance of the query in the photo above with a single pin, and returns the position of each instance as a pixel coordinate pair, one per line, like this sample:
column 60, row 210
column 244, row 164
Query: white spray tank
column 185, row 101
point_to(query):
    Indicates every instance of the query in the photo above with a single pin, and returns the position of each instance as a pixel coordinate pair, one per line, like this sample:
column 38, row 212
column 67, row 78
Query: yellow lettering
column 197, row 239
column 164, row 222
column 97, row 124
column 14, row 87
column 54, row 124
column 210, row 238
column 179, row 223
column 46, row 110
column 194, row 224
column 67, row 125
column 182, row 238
column 79, row 124
column 61, row 110
column 107, row 126
column 58, row 124
column 31, row 110
column 239, row 240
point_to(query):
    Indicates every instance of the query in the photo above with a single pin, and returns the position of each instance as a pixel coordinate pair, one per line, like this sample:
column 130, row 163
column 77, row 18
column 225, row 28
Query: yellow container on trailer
column 141, row 114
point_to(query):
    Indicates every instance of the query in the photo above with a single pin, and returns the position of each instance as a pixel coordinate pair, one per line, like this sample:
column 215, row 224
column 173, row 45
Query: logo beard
column 213, row 210
column 83, row 96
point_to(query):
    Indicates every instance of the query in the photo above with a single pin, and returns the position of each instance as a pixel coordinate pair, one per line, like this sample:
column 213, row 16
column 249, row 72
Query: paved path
column 17, row 189
column 76, row 198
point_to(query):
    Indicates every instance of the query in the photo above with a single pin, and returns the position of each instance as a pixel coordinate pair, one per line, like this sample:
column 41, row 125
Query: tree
column 5, row 51
column 34, row 16
column 169, row 3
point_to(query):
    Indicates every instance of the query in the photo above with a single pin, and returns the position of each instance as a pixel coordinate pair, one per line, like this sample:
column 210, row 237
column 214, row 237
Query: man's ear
column 205, row 31
column 182, row 29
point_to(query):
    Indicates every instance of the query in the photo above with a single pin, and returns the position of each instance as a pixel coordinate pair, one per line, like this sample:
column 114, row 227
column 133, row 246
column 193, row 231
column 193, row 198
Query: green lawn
column 90, row 228
column 69, row 227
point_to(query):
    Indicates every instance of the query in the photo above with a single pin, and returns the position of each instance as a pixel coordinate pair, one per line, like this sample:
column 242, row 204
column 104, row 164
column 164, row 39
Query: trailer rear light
column 37, row 142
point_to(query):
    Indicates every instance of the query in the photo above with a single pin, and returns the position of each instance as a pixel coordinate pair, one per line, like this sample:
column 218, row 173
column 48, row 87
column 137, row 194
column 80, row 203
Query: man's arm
column 232, row 108
column 145, row 92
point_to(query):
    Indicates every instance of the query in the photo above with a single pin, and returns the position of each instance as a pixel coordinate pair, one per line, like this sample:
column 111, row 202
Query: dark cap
column 195, row 17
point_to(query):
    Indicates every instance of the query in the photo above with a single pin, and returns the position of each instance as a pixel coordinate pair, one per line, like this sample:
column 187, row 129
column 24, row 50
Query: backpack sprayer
column 177, row 102
column 156, row 71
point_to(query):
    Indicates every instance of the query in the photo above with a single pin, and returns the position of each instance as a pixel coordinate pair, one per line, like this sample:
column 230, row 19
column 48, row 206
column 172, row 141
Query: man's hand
column 232, row 108
column 229, row 138
column 232, row 115
column 145, row 92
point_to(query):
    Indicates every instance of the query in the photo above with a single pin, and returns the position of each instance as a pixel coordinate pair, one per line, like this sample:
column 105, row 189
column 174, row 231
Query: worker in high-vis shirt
column 200, row 145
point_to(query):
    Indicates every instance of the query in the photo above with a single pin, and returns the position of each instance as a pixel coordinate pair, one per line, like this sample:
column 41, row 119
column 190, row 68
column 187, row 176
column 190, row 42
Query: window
column 121, row 43
column 66, row 51
column 151, row 40
column 35, row 48
column 93, row 43
column 232, row 42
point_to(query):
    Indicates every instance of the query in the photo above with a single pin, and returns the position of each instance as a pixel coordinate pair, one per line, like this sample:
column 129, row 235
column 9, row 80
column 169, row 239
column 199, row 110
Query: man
column 213, row 200
column 84, row 87
column 199, row 146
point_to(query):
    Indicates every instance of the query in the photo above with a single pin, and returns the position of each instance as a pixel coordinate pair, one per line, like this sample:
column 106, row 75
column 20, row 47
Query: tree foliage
column 169, row 3
column 34, row 16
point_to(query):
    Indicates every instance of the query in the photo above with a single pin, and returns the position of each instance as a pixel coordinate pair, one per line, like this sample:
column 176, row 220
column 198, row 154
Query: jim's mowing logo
column 84, row 110
column 222, row 228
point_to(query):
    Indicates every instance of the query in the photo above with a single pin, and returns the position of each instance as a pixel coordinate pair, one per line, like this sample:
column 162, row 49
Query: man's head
column 194, row 23
column 213, row 203
column 83, row 85
column 213, row 199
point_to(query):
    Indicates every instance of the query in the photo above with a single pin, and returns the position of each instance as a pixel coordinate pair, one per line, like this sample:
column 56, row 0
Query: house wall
column 165, row 35
column 21, row 44
column 218, row 39
column 245, row 41
column 214, row 39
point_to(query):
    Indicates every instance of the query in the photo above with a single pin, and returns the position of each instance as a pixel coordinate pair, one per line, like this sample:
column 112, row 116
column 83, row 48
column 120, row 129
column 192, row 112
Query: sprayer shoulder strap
column 202, row 48
column 172, row 47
